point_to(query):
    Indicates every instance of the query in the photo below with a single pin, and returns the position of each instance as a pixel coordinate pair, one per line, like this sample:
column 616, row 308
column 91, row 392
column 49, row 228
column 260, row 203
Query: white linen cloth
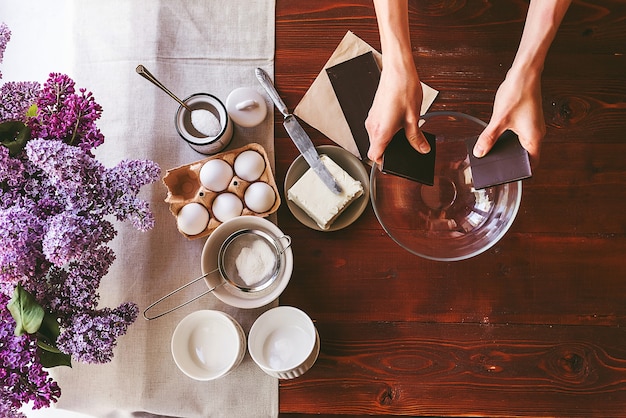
column 191, row 46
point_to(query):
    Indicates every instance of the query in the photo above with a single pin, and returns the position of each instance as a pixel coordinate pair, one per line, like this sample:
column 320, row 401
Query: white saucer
column 229, row 294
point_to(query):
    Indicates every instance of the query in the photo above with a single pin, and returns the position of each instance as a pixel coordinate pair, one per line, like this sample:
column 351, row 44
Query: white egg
column 249, row 165
column 192, row 218
column 259, row 197
column 227, row 206
column 216, row 175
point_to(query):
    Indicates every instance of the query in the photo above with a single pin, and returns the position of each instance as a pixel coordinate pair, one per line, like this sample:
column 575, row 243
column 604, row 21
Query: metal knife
column 298, row 135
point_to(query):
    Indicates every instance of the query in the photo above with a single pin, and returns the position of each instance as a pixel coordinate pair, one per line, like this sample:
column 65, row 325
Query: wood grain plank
column 531, row 327
column 464, row 370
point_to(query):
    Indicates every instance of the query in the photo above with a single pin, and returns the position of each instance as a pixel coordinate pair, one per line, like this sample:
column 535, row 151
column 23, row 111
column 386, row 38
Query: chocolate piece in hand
column 403, row 160
column 506, row 162
column 355, row 82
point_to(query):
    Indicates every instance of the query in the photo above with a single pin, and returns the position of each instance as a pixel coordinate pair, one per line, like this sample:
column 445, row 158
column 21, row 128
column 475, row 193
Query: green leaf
column 52, row 359
column 49, row 330
column 14, row 135
column 26, row 311
column 32, row 111
column 44, row 345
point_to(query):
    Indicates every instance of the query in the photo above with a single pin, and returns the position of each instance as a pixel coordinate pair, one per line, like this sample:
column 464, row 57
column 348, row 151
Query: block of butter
column 317, row 200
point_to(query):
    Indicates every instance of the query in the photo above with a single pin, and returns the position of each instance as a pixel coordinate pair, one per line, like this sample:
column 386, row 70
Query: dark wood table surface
column 535, row 326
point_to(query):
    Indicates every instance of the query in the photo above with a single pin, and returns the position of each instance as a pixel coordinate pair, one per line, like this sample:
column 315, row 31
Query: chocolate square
column 403, row 160
column 506, row 162
column 355, row 82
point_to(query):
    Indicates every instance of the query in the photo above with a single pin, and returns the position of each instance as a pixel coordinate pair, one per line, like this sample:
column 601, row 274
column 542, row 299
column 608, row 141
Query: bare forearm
column 393, row 27
column 398, row 99
column 542, row 23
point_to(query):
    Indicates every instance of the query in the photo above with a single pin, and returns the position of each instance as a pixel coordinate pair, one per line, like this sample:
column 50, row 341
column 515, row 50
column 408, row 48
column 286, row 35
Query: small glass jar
column 196, row 140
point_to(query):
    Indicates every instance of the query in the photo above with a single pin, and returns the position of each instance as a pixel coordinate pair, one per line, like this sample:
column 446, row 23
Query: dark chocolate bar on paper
column 506, row 162
column 403, row 160
column 355, row 82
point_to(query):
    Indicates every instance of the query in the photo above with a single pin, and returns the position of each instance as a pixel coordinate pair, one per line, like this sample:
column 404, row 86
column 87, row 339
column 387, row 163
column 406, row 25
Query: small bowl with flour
column 246, row 263
column 207, row 128
column 258, row 261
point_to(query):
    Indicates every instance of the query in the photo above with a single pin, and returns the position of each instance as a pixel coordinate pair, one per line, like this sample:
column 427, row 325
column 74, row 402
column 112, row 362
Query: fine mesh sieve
column 249, row 260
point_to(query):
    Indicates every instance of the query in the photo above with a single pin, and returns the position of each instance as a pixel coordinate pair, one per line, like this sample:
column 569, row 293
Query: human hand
column 396, row 105
column 517, row 106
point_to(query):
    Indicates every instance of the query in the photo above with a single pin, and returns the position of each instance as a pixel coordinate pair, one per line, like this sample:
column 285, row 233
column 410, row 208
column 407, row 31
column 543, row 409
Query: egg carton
column 184, row 186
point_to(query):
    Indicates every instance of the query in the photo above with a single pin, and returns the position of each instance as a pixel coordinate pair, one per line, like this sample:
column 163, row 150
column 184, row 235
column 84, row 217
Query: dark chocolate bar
column 403, row 160
column 506, row 162
column 355, row 82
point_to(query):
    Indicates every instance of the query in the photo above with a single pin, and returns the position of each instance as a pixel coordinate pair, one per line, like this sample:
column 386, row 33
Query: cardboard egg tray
column 184, row 186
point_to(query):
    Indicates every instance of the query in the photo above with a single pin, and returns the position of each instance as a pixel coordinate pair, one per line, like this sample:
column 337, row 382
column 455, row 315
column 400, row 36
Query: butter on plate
column 317, row 200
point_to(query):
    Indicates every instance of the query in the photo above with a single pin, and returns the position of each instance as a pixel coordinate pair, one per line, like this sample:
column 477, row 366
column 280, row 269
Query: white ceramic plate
column 229, row 294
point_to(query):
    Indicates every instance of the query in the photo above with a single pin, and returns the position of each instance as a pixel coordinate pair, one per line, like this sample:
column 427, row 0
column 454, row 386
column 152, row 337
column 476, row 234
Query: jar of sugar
column 207, row 128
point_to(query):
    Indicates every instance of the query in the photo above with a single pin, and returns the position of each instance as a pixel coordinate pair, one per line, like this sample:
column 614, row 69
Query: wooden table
column 532, row 327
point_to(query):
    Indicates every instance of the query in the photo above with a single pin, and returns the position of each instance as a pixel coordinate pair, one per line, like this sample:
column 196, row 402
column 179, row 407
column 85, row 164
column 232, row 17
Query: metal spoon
column 142, row 71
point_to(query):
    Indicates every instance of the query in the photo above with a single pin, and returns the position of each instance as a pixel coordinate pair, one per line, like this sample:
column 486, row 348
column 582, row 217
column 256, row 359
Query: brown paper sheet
column 319, row 106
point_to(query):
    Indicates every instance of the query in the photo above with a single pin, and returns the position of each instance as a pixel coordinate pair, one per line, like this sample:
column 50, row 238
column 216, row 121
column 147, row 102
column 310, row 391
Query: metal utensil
column 298, row 135
column 229, row 273
column 143, row 71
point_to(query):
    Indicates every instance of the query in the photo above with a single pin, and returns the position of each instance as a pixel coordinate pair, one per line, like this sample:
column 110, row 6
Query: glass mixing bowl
column 450, row 220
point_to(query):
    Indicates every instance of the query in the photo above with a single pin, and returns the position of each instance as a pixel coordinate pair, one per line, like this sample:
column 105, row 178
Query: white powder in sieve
column 255, row 263
column 205, row 122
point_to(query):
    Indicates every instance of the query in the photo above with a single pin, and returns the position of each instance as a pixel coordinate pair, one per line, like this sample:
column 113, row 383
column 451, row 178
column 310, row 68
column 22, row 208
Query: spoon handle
column 143, row 71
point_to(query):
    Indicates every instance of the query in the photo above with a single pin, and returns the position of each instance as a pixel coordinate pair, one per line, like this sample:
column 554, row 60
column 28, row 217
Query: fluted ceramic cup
column 284, row 342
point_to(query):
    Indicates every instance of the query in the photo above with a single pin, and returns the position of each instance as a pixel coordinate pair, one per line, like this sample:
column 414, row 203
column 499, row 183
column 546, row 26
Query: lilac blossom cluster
column 54, row 235
column 23, row 379
column 5, row 37
column 66, row 115
column 56, row 201
column 16, row 98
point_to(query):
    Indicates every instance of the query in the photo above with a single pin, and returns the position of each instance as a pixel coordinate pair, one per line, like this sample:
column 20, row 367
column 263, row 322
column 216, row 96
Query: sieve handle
column 288, row 239
column 152, row 305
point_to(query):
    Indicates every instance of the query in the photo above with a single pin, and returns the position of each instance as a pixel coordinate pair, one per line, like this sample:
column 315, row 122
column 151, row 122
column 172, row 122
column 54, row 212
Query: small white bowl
column 283, row 342
column 208, row 344
column 230, row 294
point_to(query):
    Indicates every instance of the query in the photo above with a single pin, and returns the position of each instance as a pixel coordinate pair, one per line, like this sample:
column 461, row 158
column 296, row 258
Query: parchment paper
column 319, row 106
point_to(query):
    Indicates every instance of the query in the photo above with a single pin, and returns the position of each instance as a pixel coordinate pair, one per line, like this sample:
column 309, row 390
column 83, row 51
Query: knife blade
column 298, row 134
column 308, row 151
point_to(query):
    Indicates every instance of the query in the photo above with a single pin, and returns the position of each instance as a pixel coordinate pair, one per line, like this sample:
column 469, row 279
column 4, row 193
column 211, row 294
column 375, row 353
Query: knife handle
column 267, row 84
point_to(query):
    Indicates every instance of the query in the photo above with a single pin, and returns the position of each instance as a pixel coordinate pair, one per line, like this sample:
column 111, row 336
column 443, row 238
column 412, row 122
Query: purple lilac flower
column 73, row 173
column 11, row 169
column 92, row 336
column 70, row 236
column 67, row 115
column 75, row 288
column 16, row 98
column 88, row 185
column 54, row 198
column 21, row 232
column 124, row 182
column 22, row 378
column 5, row 37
